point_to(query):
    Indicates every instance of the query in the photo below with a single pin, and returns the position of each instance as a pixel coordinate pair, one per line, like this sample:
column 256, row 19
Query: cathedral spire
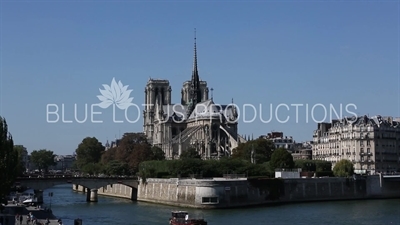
column 195, row 82
column 195, row 92
column 195, row 73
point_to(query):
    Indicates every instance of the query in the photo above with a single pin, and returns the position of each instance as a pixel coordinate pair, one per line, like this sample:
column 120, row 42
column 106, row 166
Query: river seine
column 69, row 205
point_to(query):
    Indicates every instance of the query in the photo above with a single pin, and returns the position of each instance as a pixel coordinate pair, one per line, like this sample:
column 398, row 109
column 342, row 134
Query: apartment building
column 371, row 143
column 302, row 150
column 64, row 162
column 279, row 140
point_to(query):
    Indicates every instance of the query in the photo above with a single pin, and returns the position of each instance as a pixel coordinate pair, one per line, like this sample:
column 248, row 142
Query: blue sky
column 62, row 52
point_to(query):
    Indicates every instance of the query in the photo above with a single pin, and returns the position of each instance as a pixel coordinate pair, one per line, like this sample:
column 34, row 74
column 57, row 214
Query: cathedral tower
column 155, row 89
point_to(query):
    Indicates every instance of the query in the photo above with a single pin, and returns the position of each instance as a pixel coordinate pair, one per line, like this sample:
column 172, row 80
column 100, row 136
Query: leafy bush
column 197, row 167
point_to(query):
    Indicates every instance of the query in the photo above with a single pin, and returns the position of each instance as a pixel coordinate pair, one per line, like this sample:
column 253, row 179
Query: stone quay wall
column 198, row 193
column 228, row 193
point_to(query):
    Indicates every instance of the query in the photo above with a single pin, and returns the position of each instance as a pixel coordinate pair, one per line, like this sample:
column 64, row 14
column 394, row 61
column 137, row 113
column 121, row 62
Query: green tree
column 158, row 153
column 261, row 149
column 323, row 166
column 8, row 157
column 93, row 168
column 305, row 164
column 117, row 168
column 21, row 151
column 133, row 149
column 43, row 159
column 108, row 155
column 190, row 153
column 89, row 151
column 343, row 168
column 281, row 158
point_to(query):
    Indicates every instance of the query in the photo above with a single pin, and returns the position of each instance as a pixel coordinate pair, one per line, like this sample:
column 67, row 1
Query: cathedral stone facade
column 197, row 122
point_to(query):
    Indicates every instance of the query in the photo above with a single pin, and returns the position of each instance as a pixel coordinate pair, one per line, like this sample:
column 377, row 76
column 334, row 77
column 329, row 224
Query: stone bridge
column 90, row 184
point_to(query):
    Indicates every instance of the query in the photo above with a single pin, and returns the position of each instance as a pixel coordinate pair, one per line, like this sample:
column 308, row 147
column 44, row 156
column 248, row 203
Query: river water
column 69, row 205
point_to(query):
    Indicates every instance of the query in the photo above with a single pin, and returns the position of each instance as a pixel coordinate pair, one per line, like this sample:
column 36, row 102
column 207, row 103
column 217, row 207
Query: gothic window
column 174, row 131
column 162, row 95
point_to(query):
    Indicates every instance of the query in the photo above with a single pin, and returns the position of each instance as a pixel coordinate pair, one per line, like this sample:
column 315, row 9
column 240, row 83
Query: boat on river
column 28, row 199
column 182, row 218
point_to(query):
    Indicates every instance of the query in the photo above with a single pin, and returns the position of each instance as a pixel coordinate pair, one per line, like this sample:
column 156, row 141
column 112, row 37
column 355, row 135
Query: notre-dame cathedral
column 197, row 122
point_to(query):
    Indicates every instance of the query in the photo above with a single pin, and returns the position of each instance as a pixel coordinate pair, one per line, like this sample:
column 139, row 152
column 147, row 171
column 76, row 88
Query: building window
column 362, row 150
column 209, row 200
column 368, row 150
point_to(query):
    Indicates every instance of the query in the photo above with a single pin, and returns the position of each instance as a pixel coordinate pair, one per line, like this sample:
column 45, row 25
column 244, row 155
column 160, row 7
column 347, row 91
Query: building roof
column 205, row 109
column 375, row 121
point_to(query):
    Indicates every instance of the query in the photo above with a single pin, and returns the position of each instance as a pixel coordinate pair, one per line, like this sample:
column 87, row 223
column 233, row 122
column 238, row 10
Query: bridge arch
column 90, row 185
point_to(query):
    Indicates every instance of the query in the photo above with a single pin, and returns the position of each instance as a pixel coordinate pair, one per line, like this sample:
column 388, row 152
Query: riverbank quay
column 11, row 210
column 238, row 192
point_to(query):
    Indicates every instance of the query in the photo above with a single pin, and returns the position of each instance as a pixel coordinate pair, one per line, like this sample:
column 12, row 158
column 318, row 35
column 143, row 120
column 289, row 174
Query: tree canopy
column 262, row 150
column 8, row 157
column 190, row 153
column 43, row 159
column 189, row 167
column 89, row 151
column 132, row 149
column 343, row 168
column 158, row 153
column 281, row 158
column 116, row 167
column 21, row 151
column 313, row 165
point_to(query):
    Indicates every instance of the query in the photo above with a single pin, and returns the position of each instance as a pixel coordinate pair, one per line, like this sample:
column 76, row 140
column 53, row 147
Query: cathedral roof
column 208, row 109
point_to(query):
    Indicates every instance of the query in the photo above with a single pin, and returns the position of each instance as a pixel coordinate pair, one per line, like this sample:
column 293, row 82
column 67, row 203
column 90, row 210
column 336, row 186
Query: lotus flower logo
column 116, row 94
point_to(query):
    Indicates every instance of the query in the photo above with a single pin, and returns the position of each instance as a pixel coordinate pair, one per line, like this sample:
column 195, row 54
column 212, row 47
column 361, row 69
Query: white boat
column 30, row 201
